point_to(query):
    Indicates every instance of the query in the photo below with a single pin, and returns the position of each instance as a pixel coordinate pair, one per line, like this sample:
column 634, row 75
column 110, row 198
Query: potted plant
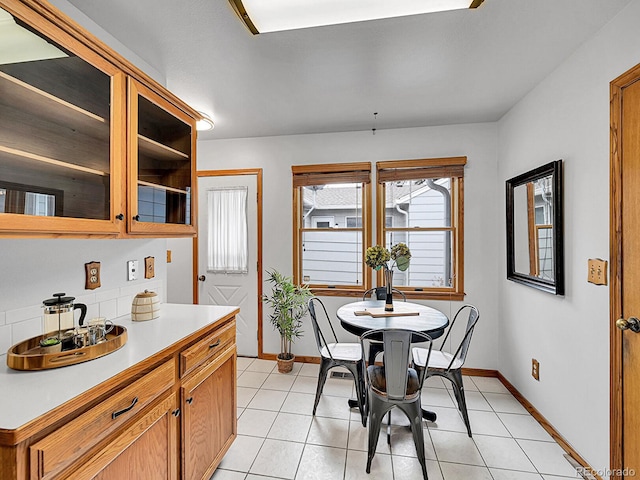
column 288, row 303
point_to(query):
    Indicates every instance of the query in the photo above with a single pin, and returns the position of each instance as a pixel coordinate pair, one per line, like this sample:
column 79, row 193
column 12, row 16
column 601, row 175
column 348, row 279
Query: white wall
column 33, row 270
column 276, row 155
column 180, row 270
column 70, row 10
column 567, row 116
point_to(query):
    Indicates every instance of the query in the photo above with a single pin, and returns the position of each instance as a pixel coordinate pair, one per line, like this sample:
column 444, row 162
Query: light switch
column 597, row 271
column 132, row 270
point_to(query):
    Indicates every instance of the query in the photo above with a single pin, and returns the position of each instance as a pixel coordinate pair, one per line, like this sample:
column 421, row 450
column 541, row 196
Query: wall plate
column 149, row 267
column 92, row 275
column 132, row 270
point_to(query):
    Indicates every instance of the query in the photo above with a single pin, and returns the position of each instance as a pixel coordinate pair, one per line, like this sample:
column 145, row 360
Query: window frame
column 451, row 167
column 325, row 174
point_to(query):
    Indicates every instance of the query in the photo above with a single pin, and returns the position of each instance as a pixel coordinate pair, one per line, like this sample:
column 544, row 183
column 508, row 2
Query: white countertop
column 26, row 395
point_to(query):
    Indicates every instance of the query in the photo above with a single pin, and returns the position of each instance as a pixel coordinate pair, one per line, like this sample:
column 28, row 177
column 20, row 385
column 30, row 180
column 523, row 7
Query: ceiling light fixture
column 262, row 16
column 204, row 123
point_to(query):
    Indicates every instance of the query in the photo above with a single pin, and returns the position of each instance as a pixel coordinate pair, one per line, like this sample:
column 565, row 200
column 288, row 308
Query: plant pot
column 284, row 365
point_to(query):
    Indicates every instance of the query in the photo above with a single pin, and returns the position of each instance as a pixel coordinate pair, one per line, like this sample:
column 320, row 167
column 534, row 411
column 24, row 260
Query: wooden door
column 216, row 286
column 625, row 273
column 209, row 416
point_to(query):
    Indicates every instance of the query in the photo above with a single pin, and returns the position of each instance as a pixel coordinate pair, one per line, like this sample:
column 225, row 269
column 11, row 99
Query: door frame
column 615, row 289
column 225, row 173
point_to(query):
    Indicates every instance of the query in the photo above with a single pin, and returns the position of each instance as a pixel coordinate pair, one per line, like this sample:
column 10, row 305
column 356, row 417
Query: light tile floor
column 279, row 438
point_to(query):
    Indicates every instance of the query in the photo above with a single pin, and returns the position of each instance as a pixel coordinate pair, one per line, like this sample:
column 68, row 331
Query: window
column 331, row 217
column 425, row 200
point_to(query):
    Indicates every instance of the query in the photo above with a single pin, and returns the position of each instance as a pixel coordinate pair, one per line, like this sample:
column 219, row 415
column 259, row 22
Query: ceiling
column 444, row 68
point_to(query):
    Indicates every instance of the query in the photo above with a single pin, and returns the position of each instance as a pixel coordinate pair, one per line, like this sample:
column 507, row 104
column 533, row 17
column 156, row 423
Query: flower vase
column 388, row 279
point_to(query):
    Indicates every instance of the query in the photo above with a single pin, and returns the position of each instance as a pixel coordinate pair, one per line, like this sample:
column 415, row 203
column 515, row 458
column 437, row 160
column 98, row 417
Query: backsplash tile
column 22, row 314
column 3, row 318
column 124, row 305
column 109, row 309
column 107, row 295
column 27, row 329
column 5, row 338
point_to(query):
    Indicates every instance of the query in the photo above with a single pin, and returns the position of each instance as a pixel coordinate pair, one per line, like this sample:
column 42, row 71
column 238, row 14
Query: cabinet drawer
column 56, row 451
column 207, row 348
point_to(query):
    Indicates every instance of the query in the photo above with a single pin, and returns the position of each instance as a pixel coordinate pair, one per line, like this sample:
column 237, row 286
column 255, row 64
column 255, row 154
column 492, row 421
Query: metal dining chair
column 395, row 384
column 447, row 365
column 375, row 347
column 338, row 354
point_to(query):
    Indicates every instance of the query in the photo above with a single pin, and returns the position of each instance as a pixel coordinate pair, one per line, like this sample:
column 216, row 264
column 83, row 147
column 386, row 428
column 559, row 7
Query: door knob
column 202, row 278
column 632, row 324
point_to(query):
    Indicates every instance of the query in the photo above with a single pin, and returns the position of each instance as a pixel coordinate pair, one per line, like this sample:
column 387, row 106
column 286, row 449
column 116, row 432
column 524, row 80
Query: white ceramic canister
column 145, row 306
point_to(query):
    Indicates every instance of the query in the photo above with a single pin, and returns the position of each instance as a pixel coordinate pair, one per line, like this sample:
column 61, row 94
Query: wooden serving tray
column 27, row 355
column 380, row 312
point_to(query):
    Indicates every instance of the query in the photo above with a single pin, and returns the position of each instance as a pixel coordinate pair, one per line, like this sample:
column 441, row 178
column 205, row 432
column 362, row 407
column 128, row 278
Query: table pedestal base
column 429, row 415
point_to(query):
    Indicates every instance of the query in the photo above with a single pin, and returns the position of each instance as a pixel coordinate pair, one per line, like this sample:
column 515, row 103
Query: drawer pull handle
column 214, row 345
column 189, row 400
column 176, row 412
column 115, row 415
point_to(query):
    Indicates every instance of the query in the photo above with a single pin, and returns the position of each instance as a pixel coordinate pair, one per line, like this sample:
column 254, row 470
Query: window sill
column 411, row 294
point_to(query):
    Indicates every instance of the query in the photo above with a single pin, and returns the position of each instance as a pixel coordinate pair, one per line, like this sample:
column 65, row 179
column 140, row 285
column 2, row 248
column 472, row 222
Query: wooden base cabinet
column 208, row 400
column 170, row 417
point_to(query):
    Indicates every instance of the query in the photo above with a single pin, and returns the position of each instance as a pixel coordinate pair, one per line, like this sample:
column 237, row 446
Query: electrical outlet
column 92, row 275
column 132, row 270
column 597, row 271
column 149, row 267
column 535, row 369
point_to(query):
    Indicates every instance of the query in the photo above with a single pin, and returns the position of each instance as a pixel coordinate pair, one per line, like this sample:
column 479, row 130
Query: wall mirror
column 534, row 228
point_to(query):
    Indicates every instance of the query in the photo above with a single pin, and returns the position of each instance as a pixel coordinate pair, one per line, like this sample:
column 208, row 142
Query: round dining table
column 357, row 318
column 409, row 316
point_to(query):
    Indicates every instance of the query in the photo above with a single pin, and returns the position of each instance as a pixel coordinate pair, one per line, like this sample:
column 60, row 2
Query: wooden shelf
column 163, row 187
column 159, row 151
column 25, row 132
column 70, row 79
column 22, row 96
column 46, row 161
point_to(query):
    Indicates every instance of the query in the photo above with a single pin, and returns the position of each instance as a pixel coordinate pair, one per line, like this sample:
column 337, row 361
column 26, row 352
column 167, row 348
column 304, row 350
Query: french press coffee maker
column 58, row 314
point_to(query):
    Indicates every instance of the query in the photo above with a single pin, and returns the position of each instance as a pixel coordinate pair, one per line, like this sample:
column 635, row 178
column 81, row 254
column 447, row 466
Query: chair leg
column 325, row 365
column 414, row 414
column 458, row 389
column 377, row 411
column 389, row 427
column 357, row 370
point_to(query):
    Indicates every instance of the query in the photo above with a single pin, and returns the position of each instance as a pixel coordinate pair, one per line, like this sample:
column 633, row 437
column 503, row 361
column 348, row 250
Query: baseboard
column 548, row 427
column 299, row 359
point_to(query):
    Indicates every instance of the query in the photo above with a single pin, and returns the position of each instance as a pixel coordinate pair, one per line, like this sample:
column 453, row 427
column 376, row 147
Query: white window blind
column 228, row 243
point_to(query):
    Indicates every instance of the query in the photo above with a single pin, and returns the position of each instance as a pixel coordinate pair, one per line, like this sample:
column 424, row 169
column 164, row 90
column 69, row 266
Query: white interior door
column 220, row 288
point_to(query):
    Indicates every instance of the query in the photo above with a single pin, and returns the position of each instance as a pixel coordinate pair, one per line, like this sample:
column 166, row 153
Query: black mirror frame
column 557, row 286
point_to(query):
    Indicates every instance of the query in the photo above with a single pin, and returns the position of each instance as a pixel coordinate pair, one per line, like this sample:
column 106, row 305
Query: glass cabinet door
column 161, row 147
column 61, row 153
